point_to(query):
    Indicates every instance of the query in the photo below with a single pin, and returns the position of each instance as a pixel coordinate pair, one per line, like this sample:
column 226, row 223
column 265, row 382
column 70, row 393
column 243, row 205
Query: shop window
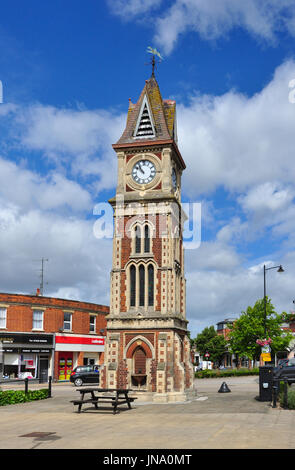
column 67, row 321
column 38, row 319
column 92, row 324
column 3, row 315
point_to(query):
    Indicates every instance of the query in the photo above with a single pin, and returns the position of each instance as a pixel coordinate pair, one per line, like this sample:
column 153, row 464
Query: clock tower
column 147, row 347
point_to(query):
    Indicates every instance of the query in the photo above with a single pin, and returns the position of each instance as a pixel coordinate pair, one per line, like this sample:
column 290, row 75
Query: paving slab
column 212, row 420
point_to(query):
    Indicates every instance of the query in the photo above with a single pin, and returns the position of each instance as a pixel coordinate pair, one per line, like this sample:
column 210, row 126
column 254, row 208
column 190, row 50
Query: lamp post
column 280, row 270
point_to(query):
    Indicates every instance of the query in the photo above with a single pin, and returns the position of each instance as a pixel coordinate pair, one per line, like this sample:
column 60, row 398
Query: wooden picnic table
column 114, row 396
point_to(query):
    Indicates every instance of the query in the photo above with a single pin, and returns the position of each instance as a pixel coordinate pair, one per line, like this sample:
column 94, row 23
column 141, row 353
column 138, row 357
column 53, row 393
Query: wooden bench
column 82, row 402
column 114, row 400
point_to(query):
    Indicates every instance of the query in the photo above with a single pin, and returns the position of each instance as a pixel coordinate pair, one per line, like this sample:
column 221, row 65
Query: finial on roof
column 153, row 51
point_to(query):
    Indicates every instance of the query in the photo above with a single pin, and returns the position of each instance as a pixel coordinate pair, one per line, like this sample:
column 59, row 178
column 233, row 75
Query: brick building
column 147, row 344
column 43, row 336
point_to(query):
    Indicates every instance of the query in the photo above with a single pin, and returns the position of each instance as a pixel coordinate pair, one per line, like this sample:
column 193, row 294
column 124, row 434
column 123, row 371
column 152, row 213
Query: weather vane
column 153, row 51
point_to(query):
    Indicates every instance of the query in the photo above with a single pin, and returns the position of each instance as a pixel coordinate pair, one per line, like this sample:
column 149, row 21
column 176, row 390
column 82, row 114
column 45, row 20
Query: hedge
column 10, row 397
column 215, row 373
column 290, row 396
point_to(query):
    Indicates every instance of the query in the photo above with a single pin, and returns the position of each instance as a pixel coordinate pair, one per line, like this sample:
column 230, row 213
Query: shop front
column 27, row 355
column 73, row 350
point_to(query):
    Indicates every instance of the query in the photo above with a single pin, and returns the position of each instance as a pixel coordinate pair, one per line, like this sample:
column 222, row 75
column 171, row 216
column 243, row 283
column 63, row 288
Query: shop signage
column 97, row 341
column 29, row 339
column 26, row 350
column 266, row 357
column 79, row 343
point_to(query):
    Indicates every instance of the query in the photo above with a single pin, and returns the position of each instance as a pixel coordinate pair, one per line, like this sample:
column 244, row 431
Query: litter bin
column 265, row 383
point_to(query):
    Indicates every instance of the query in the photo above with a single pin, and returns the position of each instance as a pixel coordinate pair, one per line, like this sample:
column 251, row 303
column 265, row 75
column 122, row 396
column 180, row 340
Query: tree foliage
column 209, row 341
column 250, row 327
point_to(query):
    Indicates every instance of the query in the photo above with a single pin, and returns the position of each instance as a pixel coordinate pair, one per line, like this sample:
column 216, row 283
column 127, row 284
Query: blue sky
column 68, row 69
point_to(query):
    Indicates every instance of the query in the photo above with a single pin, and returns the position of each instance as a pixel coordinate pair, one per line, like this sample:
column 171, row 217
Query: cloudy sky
column 68, row 69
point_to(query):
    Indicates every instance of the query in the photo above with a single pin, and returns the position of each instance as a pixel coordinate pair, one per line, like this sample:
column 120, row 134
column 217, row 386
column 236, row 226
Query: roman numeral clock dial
column 143, row 172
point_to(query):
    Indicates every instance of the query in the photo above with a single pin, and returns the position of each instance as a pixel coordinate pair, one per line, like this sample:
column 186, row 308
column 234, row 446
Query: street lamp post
column 280, row 270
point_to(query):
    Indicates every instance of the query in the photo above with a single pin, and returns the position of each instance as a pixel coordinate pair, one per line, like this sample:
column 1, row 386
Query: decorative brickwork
column 147, row 346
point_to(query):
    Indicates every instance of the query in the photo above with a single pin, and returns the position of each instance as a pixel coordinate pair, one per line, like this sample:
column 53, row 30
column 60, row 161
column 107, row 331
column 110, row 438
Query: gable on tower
column 144, row 127
column 151, row 118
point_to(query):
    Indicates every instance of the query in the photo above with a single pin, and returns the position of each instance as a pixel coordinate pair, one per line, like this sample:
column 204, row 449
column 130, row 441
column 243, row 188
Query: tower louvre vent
column 145, row 127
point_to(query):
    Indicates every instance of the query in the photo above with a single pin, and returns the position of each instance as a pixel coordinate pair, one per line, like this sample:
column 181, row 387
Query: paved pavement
column 212, row 420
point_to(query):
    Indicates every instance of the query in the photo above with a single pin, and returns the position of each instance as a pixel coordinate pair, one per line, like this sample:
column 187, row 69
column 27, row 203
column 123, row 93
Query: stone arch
column 143, row 343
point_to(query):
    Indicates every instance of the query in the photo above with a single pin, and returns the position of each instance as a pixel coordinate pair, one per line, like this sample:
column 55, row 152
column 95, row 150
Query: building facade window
column 38, row 316
column 142, row 235
column 132, row 286
column 151, row 285
column 142, row 285
column 67, row 321
column 137, row 239
column 92, row 323
column 146, row 239
column 3, row 317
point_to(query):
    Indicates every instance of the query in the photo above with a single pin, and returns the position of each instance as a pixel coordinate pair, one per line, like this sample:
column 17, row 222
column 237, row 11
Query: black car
column 85, row 374
column 285, row 369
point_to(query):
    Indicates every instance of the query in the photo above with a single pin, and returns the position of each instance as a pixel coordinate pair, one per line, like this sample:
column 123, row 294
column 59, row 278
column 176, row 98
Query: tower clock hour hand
column 141, row 169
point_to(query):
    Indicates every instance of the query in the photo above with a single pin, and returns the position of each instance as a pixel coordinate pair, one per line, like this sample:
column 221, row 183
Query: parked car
column 286, row 368
column 85, row 374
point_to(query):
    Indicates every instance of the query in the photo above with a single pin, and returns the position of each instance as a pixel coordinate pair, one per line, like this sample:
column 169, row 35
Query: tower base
column 171, row 397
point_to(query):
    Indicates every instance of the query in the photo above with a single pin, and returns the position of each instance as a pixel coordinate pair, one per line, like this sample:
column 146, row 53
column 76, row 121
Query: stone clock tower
column 147, row 347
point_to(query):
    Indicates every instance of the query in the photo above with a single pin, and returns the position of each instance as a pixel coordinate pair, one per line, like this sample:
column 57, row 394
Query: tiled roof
column 163, row 115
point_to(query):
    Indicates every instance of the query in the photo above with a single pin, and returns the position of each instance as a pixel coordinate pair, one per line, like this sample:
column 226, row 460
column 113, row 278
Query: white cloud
column 210, row 19
column 81, row 139
column 27, row 189
column 237, row 141
column 78, row 262
column 267, row 197
column 214, row 295
column 214, row 19
column 130, row 8
column 46, row 217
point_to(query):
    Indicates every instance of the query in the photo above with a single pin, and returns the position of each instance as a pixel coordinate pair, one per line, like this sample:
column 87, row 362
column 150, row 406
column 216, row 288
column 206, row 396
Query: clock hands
column 139, row 167
column 143, row 172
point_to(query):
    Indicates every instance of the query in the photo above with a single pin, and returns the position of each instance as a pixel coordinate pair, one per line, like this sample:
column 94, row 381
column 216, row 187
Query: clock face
column 174, row 178
column 143, row 172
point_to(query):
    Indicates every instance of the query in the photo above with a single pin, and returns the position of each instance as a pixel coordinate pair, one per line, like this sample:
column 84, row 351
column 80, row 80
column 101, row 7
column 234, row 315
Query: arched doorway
column 139, row 361
column 139, row 367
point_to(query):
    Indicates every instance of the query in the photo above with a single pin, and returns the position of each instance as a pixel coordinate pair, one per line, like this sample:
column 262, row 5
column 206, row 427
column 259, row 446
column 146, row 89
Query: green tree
column 250, row 327
column 209, row 341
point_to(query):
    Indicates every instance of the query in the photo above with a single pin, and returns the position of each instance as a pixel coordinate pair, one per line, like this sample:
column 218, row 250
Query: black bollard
column 224, row 388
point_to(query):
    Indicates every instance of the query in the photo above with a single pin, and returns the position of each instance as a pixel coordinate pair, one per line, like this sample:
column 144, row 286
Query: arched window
column 141, row 285
column 150, row 285
column 132, row 285
column 137, row 239
column 146, row 239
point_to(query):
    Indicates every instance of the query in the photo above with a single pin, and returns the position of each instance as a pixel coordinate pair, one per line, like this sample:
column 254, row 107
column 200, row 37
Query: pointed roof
column 152, row 111
column 151, row 120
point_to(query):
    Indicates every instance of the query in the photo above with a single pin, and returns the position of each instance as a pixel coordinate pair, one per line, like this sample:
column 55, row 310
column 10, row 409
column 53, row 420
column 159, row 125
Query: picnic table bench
column 114, row 396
